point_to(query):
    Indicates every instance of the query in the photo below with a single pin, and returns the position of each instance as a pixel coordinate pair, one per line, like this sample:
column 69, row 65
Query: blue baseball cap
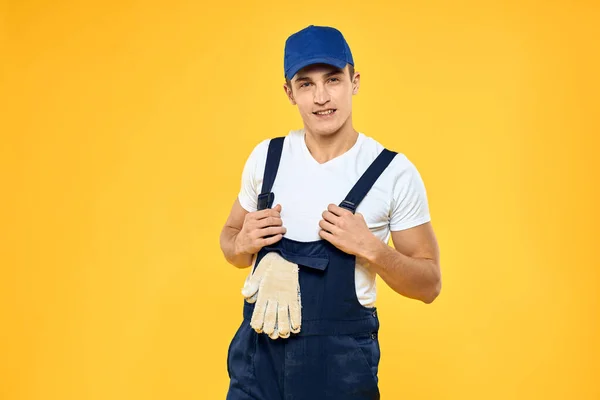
column 315, row 45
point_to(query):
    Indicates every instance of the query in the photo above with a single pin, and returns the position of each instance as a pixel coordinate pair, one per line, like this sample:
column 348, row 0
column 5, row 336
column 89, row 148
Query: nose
column 321, row 94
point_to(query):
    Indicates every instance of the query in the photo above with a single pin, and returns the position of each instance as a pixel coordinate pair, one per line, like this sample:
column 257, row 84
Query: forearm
column 227, row 241
column 416, row 278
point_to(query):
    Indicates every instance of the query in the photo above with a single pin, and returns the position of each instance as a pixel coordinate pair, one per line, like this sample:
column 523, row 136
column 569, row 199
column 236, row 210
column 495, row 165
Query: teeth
column 324, row 112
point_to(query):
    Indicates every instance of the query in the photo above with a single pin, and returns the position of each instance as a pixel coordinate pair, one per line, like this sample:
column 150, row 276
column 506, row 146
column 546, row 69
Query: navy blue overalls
column 336, row 354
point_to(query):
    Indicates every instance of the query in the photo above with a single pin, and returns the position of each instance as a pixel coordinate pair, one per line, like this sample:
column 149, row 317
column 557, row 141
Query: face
column 323, row 94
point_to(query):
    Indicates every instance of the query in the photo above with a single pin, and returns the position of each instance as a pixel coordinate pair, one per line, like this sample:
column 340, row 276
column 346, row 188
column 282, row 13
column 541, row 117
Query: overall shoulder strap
column 266, row 197
column 367, row 180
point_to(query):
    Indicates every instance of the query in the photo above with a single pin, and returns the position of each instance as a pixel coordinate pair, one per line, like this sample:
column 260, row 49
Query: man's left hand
column 346, row 231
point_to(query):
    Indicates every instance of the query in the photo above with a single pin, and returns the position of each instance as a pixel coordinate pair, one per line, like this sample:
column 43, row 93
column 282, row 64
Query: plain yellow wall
column 125, row 127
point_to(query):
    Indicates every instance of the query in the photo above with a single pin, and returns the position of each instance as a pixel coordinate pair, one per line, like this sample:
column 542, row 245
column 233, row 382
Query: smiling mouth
column 325, row 112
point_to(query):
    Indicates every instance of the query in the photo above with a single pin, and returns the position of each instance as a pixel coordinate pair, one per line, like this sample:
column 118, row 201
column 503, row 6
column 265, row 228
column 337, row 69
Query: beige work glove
column 275, row 290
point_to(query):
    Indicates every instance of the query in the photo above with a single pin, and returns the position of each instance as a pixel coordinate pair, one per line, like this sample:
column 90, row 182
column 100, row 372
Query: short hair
column 350, row 70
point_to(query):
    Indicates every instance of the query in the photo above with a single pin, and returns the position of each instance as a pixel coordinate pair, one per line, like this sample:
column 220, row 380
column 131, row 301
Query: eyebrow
column 327, row 75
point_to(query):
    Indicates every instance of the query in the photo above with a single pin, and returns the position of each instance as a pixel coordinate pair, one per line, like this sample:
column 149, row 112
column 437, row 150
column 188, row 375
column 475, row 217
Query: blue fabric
column 266, row 197
column 336, row 354
column 316, row 367
column 315, row 45
column 367, row 180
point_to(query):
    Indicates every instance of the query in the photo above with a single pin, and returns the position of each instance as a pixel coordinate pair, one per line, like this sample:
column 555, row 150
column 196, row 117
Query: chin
column 325, row 129
column 323, row 132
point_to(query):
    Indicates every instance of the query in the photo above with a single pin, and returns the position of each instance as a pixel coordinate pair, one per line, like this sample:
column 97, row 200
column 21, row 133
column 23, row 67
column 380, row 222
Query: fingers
column 283, row 321
column 275, row 333
column 327, row 236
column 284, row 336
column 268, row 212
column 272, row 230
column 269, row 221
column 263, row 228
column 330, row 217
column 337, row 210
column 270, row 318
column 270, row 240
column 327, row 226
column 258, row 316
column 276, row 321
column 295, row 315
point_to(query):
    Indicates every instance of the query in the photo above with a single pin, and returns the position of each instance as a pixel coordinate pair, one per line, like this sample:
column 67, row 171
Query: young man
column 310, row 324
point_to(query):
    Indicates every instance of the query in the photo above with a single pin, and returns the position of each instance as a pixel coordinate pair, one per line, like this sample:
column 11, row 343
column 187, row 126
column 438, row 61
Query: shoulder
column 371, row 148
column 258, row 156
column 261, row 148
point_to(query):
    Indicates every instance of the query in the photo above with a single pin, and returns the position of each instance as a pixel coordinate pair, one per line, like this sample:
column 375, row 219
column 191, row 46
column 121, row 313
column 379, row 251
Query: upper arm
column 236, row 217
column 418, row 242
column 252, row 177
column 410, row 221
column 246, row 199
column 409, row 206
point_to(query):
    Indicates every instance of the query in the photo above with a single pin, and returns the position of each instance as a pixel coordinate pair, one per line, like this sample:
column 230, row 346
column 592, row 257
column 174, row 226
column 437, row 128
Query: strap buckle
column 265, row 200
column 348, row 205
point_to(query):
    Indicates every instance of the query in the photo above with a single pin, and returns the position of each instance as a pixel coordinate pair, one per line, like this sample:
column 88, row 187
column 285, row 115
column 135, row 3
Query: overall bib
column 336, row 354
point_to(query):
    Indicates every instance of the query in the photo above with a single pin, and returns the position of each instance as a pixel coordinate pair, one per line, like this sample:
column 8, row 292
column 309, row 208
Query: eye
column 305, row 83
column 337, row 79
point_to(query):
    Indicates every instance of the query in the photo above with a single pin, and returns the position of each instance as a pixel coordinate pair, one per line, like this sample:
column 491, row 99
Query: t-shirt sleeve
column 409, row 205
column 251, row 180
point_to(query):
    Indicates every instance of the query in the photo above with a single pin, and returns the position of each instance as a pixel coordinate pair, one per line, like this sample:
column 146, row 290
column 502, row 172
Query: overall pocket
column 352, row 367
column 241, row 351
column 369, row 347
column 229, row 350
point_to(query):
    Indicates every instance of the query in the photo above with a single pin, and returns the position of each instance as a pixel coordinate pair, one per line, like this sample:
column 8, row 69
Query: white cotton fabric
column 305, row 188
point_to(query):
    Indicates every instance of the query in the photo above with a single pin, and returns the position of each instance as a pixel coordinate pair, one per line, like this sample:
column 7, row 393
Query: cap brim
column 293, row 70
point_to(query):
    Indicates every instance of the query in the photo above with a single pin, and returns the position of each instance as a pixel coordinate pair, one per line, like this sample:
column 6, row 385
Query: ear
column 289, row 94
column 355, row 82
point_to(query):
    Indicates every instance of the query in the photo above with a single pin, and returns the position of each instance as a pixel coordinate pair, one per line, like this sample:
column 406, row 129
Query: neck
column 327, row 147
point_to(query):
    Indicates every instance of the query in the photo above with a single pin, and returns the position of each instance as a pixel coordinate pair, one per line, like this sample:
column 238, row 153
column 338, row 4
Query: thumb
column 277, row 208
column 254, row 282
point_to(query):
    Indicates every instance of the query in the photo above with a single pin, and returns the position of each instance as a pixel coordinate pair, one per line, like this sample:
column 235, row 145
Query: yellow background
column 125, row 126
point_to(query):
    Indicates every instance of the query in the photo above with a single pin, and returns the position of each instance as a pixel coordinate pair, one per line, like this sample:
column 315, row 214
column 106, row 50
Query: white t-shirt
column 305, row 188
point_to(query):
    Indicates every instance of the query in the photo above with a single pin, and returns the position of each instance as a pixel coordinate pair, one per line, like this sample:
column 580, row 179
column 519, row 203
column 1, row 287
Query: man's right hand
column 261, row 228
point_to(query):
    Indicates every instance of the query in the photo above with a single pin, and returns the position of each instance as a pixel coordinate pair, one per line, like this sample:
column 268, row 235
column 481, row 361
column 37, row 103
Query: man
column 310, row 328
